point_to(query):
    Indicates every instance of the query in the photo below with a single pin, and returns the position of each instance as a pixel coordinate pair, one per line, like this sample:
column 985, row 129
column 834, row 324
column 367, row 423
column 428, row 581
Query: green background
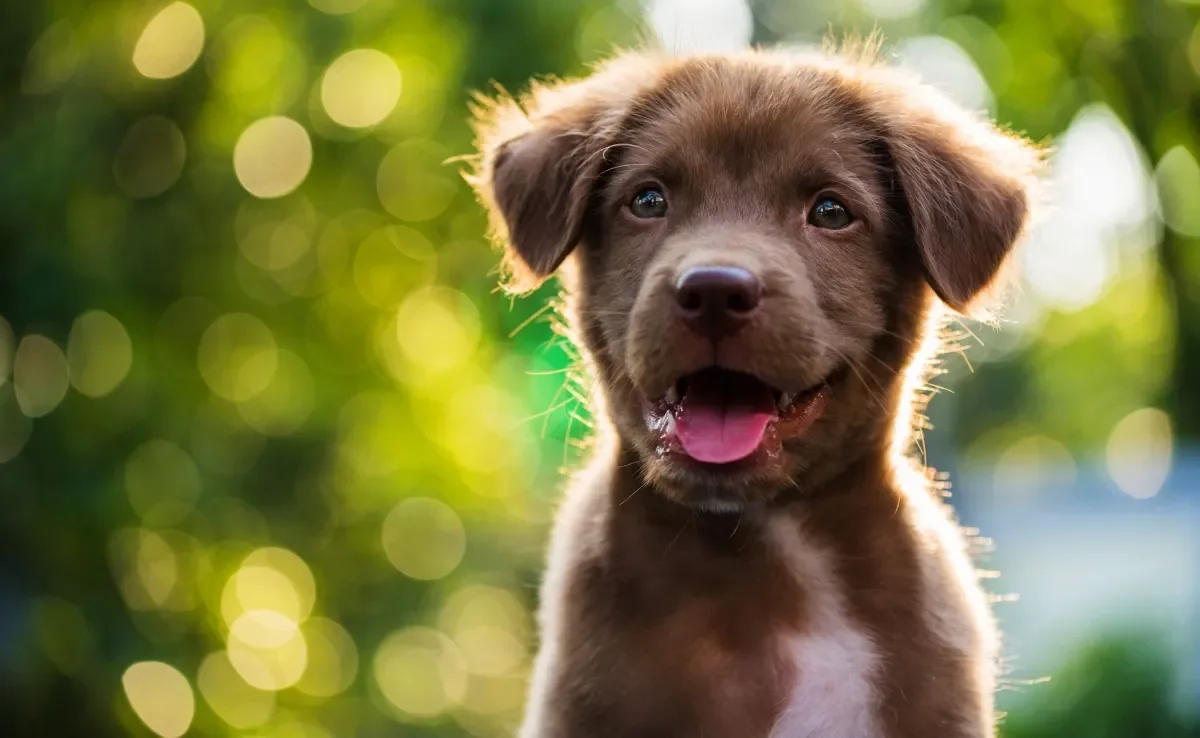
column 302, row 442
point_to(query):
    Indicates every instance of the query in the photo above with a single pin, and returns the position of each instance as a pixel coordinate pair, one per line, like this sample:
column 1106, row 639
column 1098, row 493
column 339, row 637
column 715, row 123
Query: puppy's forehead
column 743, row 120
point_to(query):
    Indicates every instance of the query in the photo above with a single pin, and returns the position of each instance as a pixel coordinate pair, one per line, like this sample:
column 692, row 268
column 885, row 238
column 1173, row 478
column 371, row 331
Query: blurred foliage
column 276, row 457
column 1118, row 688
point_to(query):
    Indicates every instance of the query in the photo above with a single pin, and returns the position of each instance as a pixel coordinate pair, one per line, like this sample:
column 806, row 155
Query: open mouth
column 720, row 416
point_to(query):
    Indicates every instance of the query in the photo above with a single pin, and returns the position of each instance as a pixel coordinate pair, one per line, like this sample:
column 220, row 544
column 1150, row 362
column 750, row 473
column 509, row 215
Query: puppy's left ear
column 969, row 188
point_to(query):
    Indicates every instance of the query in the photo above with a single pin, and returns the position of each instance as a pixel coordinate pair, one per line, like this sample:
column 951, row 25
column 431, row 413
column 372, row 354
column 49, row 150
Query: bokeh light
column 269, row 579
column 285, row 403
column 15, row 426
column 1101, row 191
column 420, row 672
column 708, row 26
column 947, row 66
column 1033, row 464
column 161, row 696
column 230, row 697
column 256, row 64
column 267, row 649
column 272, row 156
column 332, row 659
column 413, row 183
column 259, row 588
column 391, row 263
column 274, row 235
column 372, row 426
column 424, row 538
column 437, row 329
column 490, row 627
column 483, row 430
column 150, row 157
column 170, row 43
column 40, row 375
column 157, row 566
column 360, row 88
column 161, row 482
column 1178, row 179
column 238, row 356
column 63, row 634
column 52, row 60
column 1139, row 450
column 99, row 353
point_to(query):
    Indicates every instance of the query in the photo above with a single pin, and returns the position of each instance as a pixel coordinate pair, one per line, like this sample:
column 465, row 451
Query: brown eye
column 830, row 214
column 649, row 203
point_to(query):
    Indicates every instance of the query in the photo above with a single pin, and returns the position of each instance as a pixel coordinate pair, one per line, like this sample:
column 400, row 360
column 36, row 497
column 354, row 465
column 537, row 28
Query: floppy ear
column 967, row 185
column 540, row 159
column 540, row 185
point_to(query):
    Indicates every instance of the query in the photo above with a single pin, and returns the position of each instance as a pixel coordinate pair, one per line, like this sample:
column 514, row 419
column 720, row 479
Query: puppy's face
column 754, row 244
column 736, row 277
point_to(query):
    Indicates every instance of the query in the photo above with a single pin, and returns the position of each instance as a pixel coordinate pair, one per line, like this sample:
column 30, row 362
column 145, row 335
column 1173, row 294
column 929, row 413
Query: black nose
column 717, row 301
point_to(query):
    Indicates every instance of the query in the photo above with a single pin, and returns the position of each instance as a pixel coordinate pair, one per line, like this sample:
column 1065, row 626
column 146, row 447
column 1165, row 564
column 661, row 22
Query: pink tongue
column 717, row 426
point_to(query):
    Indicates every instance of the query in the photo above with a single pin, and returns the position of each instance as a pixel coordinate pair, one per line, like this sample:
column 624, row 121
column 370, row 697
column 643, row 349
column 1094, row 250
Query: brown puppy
column 756, row 250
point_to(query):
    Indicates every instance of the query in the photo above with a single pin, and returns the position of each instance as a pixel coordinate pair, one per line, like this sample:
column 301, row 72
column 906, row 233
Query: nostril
column 742, row 301
column 689, row 299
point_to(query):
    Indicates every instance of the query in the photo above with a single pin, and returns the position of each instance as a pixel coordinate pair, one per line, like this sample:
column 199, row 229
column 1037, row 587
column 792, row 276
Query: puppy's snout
column 717, row 301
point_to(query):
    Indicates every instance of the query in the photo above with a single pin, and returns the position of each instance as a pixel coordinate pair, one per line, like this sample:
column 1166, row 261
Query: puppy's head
column 755, row 244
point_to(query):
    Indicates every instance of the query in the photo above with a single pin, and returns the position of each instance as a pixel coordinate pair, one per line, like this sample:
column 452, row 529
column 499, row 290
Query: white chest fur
column 836, row 664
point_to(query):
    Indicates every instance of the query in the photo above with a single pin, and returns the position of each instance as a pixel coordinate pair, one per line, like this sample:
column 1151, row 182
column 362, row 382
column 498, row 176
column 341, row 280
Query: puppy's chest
column 835, row 665
column 812, row 675
column 832, row 690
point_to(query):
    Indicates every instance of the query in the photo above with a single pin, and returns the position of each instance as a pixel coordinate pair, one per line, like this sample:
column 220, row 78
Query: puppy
column 757, row 250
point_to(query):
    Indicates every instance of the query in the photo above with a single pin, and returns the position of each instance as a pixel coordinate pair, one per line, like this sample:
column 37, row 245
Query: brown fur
column 661, row 617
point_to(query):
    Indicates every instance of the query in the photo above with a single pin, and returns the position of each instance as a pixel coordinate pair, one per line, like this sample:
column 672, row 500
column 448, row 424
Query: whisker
column 536, row 314
column 545, row 412
column 631, row 494
column 969, row 331
column 689, row 522
column 547, row 372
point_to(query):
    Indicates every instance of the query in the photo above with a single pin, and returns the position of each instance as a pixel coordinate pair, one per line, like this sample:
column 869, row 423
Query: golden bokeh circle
column 332, row 659
column 99, row 353
column 420, row 673
column 160, row 696
column 424, row 538
column 360, row 88
column 41, row 375
column 170, row 43
column 272, row 156
column 267, row 649
column 162, row 482
column 230, row 697
column 237, row 356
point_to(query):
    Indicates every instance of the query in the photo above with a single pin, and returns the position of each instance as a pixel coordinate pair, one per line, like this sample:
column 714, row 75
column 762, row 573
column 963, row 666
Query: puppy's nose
column 717, row 301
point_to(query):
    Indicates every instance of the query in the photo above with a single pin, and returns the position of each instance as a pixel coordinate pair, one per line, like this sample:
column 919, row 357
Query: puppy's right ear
column 536, row 177
column 541, row 158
